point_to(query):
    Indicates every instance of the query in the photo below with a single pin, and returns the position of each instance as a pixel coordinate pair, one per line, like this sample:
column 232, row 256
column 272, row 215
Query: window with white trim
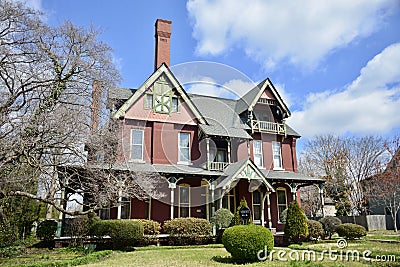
column 277, row 155
column 174, row 104
column 257, row 151
column 184, row 200
column 148, row 101
column 137, row 144
column 257, row 198
column 104, row 213
column 281, row 200
column 184, row 147
column 125, row 208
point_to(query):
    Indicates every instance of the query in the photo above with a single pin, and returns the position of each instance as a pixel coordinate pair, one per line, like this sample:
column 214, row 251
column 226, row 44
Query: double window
column 276, row 151
column 258, row 153
column 184, row 148
column 137, row 144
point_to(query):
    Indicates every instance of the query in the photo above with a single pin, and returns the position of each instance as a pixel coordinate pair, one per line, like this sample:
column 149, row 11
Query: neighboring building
column 211, row 151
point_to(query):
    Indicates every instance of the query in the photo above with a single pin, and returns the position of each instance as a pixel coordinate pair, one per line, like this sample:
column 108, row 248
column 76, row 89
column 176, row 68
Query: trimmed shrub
column 236, row 217
column 150, row 227
column 351, row 230
column 296, row 228
column 8, row 235
column 244, row 242
column 46, row 230
column 123, row 233
column 315, row 230
column 222, row 218
column 188, row 231
column 330, row 223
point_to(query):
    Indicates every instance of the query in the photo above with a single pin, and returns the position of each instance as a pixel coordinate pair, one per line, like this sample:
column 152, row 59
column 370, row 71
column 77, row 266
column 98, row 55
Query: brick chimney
column 162, row 34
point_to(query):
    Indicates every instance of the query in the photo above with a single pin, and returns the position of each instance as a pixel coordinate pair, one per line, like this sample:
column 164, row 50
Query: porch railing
column 217, row 166
column 267, row 126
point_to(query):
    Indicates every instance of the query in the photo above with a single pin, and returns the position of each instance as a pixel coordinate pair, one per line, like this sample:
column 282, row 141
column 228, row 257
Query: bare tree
column 46, row 80
column 344, row 162
column 383, row 189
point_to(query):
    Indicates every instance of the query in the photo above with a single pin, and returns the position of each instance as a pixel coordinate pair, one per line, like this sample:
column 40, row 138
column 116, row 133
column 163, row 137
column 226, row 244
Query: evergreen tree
column 296, row 228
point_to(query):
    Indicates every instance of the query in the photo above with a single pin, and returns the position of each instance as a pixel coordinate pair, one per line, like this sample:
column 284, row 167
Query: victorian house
column 211, row 152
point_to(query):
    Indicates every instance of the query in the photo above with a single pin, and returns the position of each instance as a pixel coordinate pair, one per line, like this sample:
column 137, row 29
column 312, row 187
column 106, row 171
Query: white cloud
column 370, row 104
column 271, row 32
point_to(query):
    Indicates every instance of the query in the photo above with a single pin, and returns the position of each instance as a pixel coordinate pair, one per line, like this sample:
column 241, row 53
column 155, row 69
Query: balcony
column 267, row 126
column 217, row 166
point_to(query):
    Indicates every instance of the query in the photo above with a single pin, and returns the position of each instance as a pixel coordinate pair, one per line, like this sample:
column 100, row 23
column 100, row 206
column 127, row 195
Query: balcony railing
column 267, row 126
column 217, row 166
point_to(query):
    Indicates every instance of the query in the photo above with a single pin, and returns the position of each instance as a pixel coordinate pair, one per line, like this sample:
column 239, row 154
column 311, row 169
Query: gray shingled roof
column 290, row 176
column 221, row 117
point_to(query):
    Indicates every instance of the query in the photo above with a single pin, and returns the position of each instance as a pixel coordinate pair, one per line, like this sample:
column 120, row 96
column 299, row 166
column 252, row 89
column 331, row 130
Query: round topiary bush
column 150, row 227
column 330, row 223
column 296, row 228
column 123, row 233
column 222, row 218
column 315, row 230
column 351, row 230
column 244, row 242
column 46, row 230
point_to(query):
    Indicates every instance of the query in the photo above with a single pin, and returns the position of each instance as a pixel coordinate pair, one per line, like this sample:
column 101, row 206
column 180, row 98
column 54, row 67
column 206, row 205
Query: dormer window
column 175, row 103
column 148, row 102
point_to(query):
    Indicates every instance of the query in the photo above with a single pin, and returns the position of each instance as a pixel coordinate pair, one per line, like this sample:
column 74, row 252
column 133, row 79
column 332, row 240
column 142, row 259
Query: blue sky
column 336, row 63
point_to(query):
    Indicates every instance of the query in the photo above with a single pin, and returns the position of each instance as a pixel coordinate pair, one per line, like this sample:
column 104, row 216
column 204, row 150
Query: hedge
column 188, row 231
column 244, row 242
column 330, row 224
column 150, row 230
column 351, row 230
column 315, row 230
column 123, row 233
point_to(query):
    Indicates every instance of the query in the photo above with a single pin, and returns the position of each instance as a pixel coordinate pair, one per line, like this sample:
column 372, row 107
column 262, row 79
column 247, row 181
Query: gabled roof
column 163, row 69
column 249, row 100
column 244, row 169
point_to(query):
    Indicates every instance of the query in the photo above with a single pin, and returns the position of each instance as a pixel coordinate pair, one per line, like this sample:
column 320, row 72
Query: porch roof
column 244, row 169
column 290, row 176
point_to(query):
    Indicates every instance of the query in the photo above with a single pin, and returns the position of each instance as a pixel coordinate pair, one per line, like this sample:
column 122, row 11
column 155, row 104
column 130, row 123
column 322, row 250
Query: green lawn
column 383, row 235
column 216, row 255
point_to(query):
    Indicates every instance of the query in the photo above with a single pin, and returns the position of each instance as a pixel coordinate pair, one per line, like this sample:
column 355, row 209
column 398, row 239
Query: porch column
column 263, row 220
column 212, row 188
column 208, row 153
column 321, row 195
column 119, row 208
column 172, row 186
column 268, row 194
column 229, row 150
column 248, row 147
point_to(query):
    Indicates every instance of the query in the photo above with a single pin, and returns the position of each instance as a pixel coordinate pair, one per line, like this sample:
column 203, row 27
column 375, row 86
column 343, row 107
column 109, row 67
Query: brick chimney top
column 162, row 49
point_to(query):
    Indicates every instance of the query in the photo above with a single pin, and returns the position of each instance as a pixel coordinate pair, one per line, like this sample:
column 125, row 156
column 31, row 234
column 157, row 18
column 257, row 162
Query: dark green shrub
column 296, row 228
column 150, row 227
column 283, row 216
column 315, row 230
column 222, row 218
column 123, row 233
column 244, row 242
column 330, row 223
column 351, row 230
column 46, row 230
column 188, row 231
column 11, row 251
column 236, row 217
column 8, row 235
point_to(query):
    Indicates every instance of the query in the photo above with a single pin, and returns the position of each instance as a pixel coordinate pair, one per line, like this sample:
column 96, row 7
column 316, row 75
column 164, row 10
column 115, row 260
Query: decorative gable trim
column 163, row 69
column 276, row 95
column 247, row 170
